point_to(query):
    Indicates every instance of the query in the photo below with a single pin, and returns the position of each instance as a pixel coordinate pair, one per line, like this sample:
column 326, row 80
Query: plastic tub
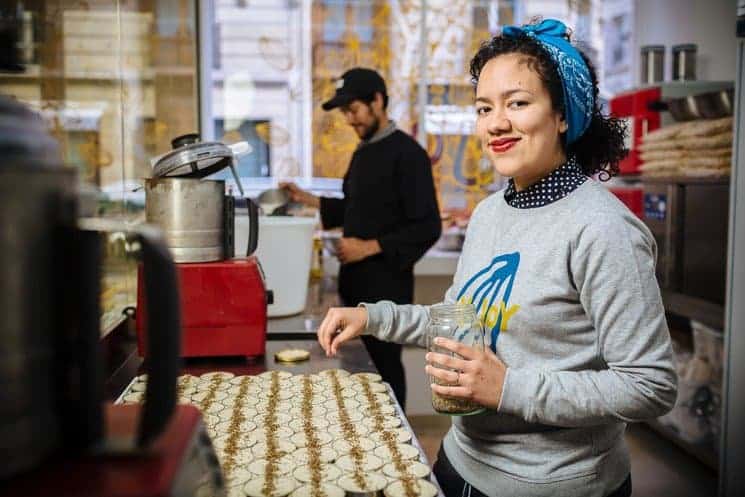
column 284, row 251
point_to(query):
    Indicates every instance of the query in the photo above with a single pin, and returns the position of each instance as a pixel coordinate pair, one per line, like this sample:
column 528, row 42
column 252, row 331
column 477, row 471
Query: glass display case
column 114, row 80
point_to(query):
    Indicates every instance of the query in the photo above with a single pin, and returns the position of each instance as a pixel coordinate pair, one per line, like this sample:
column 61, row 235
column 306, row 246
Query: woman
column 562, row 275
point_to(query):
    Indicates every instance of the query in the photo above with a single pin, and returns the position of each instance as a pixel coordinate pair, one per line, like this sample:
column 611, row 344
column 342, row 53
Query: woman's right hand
column 340, row 325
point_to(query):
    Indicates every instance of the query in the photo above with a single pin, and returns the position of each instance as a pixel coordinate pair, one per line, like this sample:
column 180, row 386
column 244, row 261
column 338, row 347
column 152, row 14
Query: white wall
column 710, row 24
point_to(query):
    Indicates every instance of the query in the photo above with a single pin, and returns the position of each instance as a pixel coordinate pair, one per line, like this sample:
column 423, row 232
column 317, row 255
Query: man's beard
column 370, row 132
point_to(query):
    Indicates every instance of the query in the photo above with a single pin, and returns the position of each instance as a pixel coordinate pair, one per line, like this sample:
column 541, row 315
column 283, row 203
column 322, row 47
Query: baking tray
column 414, row 439
column 399, row 412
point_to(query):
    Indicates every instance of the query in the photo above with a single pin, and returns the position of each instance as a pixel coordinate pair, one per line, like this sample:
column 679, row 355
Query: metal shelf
column 683, row 179
column 702, row 452
column 709, row 313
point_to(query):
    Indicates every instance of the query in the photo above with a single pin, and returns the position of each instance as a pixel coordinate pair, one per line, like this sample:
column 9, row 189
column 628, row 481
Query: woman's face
column 518, row 128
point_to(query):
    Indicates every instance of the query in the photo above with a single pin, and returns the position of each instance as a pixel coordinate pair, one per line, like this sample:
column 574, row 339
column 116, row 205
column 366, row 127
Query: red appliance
column 632, row 196
column 223, row 301
column 180, row 462
column 634, row 106
column 223, row 309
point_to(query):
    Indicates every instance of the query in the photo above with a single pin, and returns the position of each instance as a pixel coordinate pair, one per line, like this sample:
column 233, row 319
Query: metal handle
column 84, row 382
column 658, row 106
column 163, row 334
column 236, row 178
column 163, row 323
column 186, row 139
column 253, row 226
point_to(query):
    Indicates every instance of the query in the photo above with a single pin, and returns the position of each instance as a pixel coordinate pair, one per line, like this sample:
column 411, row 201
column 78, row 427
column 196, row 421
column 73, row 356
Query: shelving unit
column 691, row 232
column 709, row 313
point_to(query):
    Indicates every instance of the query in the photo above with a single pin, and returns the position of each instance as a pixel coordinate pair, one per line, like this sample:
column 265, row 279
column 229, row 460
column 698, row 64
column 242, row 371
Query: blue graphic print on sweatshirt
column 489, row 291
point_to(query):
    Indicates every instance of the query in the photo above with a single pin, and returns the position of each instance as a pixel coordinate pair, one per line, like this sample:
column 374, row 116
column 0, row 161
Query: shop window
column 347, row 16
column 258, row 83
column 255, row 164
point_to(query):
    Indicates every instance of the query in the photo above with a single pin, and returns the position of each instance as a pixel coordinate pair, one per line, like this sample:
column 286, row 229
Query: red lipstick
column 502, row 145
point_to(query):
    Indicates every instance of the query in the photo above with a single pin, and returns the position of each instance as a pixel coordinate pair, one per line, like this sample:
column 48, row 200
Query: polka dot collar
column 558, row 184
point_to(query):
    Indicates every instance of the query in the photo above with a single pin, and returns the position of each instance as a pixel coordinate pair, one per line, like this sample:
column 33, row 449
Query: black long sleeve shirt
column 389, row 196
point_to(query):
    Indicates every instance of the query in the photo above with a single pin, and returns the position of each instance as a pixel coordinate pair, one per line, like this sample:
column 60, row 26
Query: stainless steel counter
column 353, row 358
column 322, row 296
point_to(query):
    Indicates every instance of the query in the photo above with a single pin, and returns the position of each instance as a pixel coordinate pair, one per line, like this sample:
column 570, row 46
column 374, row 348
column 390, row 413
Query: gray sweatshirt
column 569, row 300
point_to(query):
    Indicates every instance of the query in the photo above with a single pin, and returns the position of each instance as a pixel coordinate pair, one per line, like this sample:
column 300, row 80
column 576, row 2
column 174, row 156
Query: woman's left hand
column 478, row 376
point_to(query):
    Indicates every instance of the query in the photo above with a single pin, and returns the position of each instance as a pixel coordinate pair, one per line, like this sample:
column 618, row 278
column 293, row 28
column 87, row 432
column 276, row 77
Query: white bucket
column 284, row 251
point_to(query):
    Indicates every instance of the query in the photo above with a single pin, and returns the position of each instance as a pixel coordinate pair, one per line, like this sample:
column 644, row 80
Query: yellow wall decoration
column 386, row 35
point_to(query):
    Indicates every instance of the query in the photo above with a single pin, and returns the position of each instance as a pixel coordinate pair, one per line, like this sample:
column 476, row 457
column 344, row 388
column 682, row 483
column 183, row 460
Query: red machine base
column 223, row 309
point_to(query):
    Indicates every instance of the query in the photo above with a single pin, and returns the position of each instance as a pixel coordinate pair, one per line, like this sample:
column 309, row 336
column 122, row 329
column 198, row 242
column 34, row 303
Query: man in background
column 389, row 212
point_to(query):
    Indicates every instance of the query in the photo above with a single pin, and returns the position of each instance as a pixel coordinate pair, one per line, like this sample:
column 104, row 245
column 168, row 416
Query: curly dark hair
column 601, row 147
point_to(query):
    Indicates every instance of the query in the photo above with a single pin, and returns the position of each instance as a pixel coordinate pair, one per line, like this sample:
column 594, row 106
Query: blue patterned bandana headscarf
column 575, row 75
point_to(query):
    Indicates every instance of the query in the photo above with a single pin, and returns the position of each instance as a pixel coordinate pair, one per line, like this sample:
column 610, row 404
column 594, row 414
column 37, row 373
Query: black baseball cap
column 355, row 84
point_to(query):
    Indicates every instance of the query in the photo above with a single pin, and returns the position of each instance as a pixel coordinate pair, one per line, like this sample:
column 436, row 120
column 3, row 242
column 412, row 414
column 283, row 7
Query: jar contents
column 456, row 322
column 448, row 405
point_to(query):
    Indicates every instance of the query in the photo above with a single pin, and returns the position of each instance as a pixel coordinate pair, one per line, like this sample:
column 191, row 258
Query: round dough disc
column 284, row 447
column 407, row 452
column 371, row 377
column 402, row 435
column 134, row 397
column 343, row 446
column 302, row 456
column 258, row 467
column 282, row 486
column 292, row 355
column 422, row 488
column 388, row 422
column 301, row 439
column 374, row 482
column 370, row 462
column 326, row 490
column 413, row 468
column 329, row 472
column 223, row 375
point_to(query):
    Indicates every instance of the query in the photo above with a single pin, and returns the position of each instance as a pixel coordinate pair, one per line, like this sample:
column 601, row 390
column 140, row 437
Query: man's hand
column 297, row 194
column 355, row 249
column 478, row 376
column 341, row 324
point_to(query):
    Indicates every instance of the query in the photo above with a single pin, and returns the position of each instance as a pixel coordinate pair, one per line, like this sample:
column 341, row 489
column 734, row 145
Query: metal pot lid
column 191, row 158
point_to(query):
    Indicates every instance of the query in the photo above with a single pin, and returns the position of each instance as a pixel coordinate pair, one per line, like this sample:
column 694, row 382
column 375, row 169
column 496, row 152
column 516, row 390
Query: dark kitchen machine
column 58, row 435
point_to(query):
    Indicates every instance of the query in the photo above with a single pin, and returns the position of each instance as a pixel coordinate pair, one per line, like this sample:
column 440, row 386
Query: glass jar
column 684, row 62
column 456, row 322
column 653, row 64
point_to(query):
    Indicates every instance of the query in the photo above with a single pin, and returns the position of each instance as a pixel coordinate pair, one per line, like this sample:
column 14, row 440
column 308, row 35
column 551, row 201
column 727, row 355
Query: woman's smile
column 502, row 145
